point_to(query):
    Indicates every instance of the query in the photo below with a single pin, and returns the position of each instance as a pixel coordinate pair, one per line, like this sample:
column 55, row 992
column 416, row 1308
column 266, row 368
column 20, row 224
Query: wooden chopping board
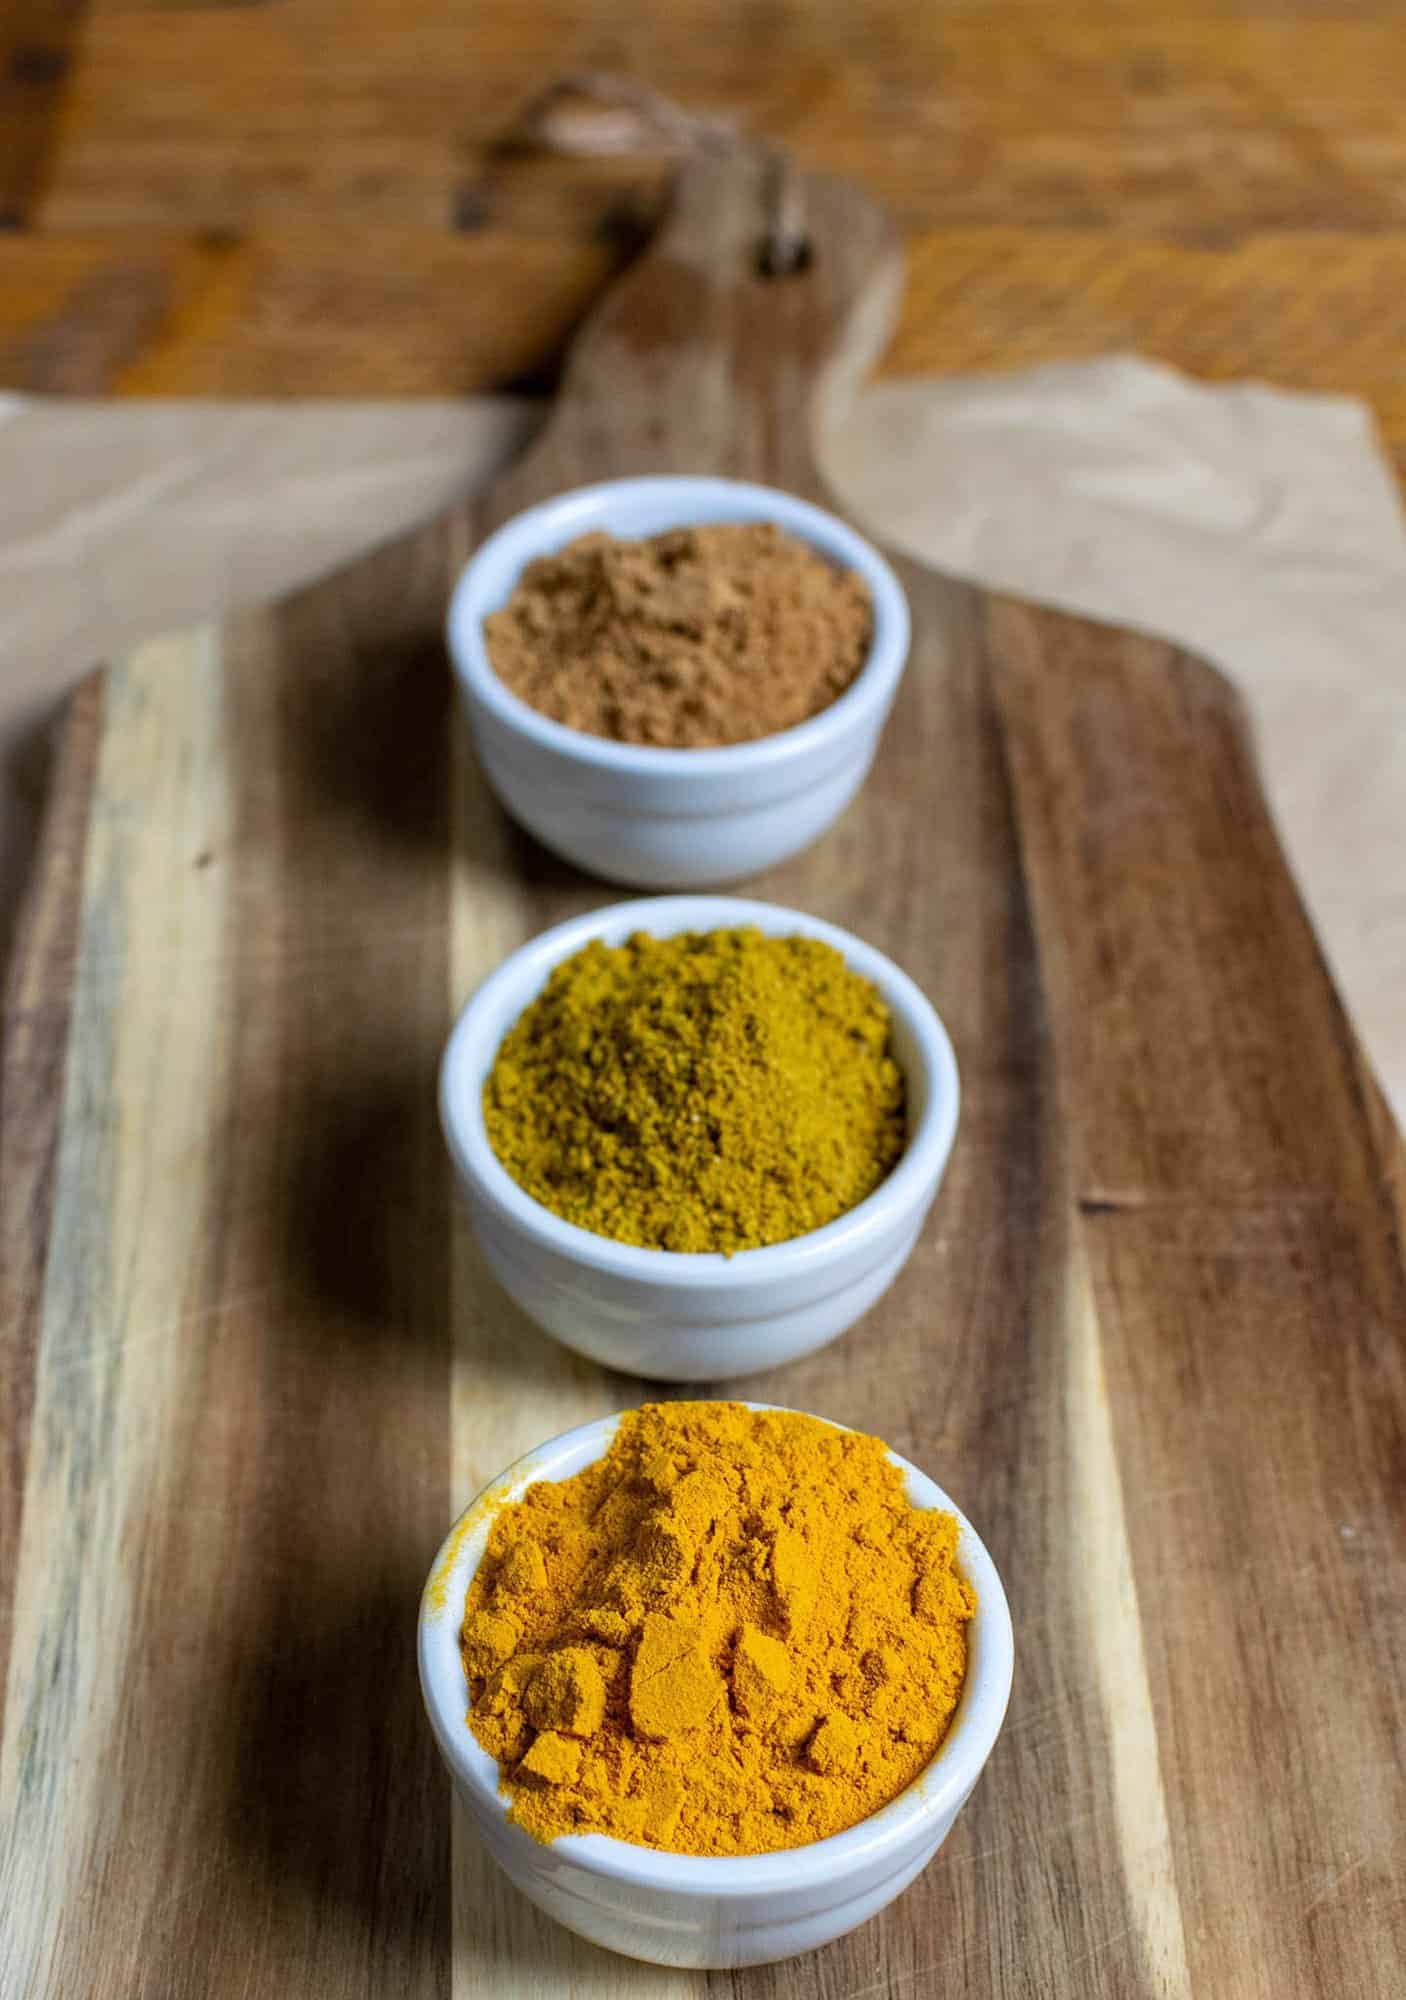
column 1152, row 1337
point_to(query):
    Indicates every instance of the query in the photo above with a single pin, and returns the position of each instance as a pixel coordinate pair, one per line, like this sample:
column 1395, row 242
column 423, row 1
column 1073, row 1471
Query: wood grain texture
column 37, row 42
column 1152, row 1337
column 286, row 200
column 1234, row 1195
column 38, row 1007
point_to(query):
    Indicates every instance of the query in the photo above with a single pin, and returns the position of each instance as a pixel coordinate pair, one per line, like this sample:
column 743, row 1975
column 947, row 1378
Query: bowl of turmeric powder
column 676, row 682
column 713, row 1680
column 698, row 1136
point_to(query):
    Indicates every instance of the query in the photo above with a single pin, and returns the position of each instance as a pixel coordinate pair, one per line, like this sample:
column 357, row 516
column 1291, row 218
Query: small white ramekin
column 690, row 1910
column 658, row 818
column 661, row 1313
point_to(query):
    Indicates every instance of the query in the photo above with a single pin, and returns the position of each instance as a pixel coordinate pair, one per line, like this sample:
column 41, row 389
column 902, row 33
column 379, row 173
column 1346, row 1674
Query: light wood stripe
column 512, row 1389
column 38, row 1012
column 1105, row 1588
column 135, row 1153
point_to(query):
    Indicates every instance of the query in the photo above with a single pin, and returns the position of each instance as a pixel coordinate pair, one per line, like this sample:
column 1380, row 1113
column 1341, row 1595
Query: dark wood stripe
column 38, row 40
column 1250, row 1293
column 37, row 1009
column 97, row 329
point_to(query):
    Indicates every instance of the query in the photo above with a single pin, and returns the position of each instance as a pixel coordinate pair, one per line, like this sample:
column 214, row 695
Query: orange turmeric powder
column 731, row 1634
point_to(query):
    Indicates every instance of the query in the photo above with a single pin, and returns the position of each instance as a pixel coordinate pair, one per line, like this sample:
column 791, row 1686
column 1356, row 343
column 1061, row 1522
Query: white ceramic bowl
column 661, row 1313
column 657, row 818
column 690, row 1910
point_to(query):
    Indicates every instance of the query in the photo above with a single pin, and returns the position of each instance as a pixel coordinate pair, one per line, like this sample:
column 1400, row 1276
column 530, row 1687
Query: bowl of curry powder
column 698, row 1136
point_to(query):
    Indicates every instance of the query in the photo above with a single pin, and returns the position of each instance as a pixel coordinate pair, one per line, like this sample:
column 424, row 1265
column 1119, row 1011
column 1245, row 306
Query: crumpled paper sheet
column 124, row 519
column 1258, row 527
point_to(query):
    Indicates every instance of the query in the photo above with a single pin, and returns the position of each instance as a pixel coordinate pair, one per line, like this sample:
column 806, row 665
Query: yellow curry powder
column 712, row 1091
column 733, row 1633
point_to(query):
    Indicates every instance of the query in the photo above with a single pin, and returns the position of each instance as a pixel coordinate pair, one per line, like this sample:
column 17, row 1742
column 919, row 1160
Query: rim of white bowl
column 923, row 1158
column 539, row 529
column 939, row 1788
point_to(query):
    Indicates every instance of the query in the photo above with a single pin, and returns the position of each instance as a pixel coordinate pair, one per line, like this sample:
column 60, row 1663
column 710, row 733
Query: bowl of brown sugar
column 676, row 682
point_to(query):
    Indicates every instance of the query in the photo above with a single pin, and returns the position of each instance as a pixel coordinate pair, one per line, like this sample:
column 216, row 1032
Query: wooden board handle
column 699, row 362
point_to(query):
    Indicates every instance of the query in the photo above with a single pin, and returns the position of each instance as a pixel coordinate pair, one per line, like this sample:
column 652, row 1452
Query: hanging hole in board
column 784, row 256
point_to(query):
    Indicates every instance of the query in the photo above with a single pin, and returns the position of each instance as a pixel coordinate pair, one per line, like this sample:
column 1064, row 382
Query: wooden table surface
column 296, row 198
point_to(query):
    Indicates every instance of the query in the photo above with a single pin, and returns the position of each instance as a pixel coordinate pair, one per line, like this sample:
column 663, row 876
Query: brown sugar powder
column 698, row 636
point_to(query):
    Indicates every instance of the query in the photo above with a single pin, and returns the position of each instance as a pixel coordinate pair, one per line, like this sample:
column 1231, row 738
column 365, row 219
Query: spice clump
column 717, row 1090
column 747, row 1636
column 698, row 636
